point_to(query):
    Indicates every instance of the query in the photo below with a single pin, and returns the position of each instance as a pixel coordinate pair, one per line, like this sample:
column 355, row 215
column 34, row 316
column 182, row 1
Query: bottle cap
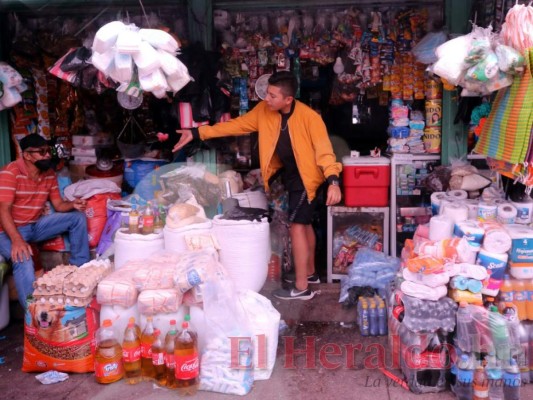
column 172, row 322
column 463, row 304
column 187, row 317
column 185, row 325
column 157, row 332
column 107, row 323
column 131, row 320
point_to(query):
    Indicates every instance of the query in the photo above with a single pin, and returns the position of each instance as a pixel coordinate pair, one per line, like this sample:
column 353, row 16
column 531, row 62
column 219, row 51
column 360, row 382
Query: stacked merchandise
column 11, row 86
column 62, row 318
column 406, row 130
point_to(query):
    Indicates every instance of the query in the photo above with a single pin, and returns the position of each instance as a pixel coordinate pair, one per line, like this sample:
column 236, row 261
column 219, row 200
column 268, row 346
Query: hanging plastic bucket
column 244, row 250
column 134, row 246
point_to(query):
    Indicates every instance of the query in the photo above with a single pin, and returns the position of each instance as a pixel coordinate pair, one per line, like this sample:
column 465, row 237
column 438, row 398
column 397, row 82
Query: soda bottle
column 489, row 301
column 481, row 384
column 147, row 338
column 499, row 333
column 364, row 326
column 511, row 381
column 131, row 353
column 158, row 224
column 162, row 215
column 133, row 220
column 108, row 366
column 170, row 363
column 191, row 331
column 187, row 362
column 148, row 219
column 523, row 356
column 520, row 297
column 506, row 289
column 530, row 335
column 494, row 373
column 158, row 359
column 529, row 302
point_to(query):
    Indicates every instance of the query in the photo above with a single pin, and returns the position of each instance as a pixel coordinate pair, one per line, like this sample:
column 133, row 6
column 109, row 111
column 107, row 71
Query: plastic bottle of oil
column 147, row 338
column 131, row 353
column 187, row 362
column 108, row 358
column 170, row 362
column 133, row 220
column 158, row 359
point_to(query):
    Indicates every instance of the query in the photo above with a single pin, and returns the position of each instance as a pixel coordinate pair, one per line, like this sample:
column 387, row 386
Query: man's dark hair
column 286, row 81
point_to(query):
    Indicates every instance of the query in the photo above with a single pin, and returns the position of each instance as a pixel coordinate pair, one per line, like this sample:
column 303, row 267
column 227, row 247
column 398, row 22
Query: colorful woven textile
column 506, row 134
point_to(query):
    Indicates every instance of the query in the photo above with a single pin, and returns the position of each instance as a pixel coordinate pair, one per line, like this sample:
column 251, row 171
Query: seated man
column 25, row 186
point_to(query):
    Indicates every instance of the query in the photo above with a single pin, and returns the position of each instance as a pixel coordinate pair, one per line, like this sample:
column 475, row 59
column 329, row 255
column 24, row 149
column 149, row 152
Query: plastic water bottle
column 511, row 381
column 464, row 371
column 463, row 339
column 373, row 313
column 523, row 356
column 500, row 334
column 494, row 377
column 364, row 326
column 382, row 318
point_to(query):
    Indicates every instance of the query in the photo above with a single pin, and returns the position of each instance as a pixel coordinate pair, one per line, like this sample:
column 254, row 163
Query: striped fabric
column 506, row 134
column 26, row 195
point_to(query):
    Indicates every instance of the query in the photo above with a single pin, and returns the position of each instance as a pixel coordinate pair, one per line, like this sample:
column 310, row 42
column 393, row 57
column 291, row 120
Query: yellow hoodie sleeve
column 235, row 127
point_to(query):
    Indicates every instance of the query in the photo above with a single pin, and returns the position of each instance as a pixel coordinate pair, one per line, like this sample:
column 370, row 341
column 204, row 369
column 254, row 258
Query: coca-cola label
column 132, row 354
column 188, row 366
column 146, row 350
column 108, row 369
column 170, row 361
column 158, row 358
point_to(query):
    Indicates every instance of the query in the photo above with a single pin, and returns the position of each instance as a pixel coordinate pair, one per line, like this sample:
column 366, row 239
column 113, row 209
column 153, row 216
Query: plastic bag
column 424, row 51
column 76, row 60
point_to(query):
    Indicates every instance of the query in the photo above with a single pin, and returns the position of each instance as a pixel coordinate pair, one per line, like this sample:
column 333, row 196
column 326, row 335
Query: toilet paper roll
column 495, row 264
column 470, row 230
column 487, row 211
column 457, row 194
column 440, row 227
column 497, row 240
column 506, row 213
column 473, row 206
column 524, row 211
column 467, row 251
column 436, row 199
column 457, row 212
column 443, row 203
column 500, row 201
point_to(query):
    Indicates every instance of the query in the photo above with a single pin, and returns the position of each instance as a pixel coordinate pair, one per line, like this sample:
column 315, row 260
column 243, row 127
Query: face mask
column 43, row 165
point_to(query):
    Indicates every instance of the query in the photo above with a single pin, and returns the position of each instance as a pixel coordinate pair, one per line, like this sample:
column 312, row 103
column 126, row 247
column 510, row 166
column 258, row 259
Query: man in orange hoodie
column 294, row 139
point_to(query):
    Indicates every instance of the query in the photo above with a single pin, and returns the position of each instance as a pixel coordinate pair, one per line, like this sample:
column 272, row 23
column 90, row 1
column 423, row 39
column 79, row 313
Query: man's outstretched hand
column 185, row 138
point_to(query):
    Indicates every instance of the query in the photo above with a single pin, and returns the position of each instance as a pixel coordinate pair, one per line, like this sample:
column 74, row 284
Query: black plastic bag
column 239, row 213
column 76, row 60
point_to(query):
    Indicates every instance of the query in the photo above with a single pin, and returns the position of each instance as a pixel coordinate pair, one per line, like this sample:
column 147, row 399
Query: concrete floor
column 298, row 377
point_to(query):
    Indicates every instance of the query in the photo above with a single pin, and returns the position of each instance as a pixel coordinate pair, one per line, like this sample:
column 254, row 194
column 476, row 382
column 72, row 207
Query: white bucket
column 162, row 321
column 4, row 306
column 244, row 250
column 120, row 317
column 134, row 246
column 253, row 199
column 175, row 237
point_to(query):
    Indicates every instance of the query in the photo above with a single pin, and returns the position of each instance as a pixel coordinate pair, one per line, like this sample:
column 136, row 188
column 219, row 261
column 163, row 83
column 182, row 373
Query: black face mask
column 43, row 165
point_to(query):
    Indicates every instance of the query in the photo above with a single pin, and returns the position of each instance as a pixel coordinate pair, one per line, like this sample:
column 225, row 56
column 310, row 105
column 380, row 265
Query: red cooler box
column 366, row 181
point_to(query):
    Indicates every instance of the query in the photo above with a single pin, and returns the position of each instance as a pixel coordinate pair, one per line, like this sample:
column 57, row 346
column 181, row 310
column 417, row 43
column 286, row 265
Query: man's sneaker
column 293, row 294
column 291, row 278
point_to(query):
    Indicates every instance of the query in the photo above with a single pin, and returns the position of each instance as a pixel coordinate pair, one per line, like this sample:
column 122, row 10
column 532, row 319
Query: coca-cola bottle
column 170, row 363
column 131, row 353
column 158, row 358
column 108, row 366
column 187, row 362
column 147, row 338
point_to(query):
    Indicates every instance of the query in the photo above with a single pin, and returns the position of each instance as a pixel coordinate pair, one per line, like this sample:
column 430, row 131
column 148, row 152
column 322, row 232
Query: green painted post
column 454, row 136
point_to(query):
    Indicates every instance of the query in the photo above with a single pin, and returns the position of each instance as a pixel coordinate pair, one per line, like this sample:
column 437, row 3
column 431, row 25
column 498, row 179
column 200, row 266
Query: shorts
column 300, row 210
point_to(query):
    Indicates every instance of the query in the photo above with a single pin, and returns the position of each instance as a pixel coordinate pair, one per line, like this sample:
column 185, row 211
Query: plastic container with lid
column 366, row 181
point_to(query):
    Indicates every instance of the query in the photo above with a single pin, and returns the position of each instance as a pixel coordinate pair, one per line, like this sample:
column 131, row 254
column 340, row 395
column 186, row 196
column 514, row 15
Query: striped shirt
column 27, row 196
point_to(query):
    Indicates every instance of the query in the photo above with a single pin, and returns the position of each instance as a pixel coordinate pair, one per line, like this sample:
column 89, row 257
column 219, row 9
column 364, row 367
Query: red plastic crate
column 366, row 181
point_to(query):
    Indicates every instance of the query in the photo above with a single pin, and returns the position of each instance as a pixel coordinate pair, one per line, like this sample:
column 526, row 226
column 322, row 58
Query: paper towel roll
column 436, row 199
column 497, row 240
column 440, row 227
column 506, row 213
column 522, row 247
column 473, row 206
column 457, row 212
column 458, row 194
column 487, row 211
column 524, row 211
column 470, row 230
